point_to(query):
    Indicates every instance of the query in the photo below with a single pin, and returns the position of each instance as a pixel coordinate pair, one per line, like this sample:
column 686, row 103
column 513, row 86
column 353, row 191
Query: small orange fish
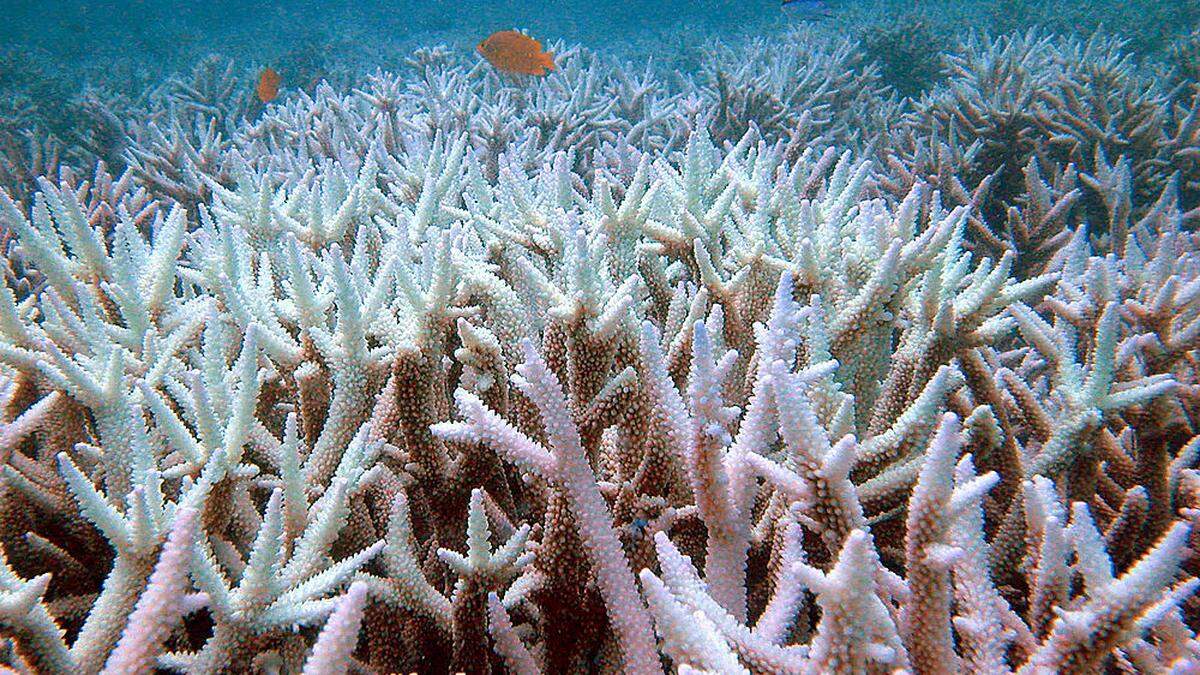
column 515, row 52
column 268, row 85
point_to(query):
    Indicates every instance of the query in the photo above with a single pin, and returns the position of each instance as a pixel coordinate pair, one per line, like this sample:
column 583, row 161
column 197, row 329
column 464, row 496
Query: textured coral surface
column 775, row 367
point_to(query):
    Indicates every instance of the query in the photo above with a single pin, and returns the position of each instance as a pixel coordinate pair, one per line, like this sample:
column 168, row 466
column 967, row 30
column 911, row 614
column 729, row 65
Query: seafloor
column 741, row 342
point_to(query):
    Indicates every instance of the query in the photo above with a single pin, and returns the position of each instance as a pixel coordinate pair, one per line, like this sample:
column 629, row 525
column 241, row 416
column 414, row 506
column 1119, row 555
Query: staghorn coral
column 313, row 387
column 908, row 52
column 802, row 87
column 1042, row 134
column 410, row 377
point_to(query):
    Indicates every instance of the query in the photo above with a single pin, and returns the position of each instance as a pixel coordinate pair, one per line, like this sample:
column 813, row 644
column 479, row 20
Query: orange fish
column 268, row 85
column 515, row 52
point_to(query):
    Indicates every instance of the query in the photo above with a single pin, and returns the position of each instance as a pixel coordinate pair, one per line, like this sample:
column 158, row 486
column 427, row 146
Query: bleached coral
column 585, row 392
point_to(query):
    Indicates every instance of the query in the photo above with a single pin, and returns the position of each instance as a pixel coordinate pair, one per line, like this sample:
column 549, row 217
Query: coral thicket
column 773, row 368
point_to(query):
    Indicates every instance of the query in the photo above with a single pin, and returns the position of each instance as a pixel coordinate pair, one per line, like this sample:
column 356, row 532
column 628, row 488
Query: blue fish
column 809, row 7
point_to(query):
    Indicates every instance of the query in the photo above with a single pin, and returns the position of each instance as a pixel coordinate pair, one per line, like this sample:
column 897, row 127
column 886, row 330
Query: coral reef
column 766, row 370
column 1042, row 134
column 908, row 51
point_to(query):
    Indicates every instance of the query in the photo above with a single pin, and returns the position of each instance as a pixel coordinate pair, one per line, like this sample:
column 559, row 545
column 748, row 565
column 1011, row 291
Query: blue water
column 57, row 59
column 74, row 38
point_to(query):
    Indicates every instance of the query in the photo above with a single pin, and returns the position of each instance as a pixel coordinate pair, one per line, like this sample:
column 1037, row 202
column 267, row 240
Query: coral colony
column 762, row 370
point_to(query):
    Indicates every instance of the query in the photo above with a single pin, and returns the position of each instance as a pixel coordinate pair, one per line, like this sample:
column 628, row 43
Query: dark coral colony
column 830, row 352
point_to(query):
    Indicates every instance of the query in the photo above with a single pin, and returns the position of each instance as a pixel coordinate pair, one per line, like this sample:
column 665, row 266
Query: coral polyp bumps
column 385, row 386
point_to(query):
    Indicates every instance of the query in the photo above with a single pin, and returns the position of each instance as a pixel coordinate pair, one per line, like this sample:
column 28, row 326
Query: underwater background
column 72, row 69
column 73, row 38
column 51, row 50
column 74, row 73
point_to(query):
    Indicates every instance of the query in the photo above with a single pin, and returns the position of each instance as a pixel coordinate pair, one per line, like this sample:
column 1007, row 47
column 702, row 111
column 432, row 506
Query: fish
column 809, row 7
column 268, row 85
column 515, row 52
